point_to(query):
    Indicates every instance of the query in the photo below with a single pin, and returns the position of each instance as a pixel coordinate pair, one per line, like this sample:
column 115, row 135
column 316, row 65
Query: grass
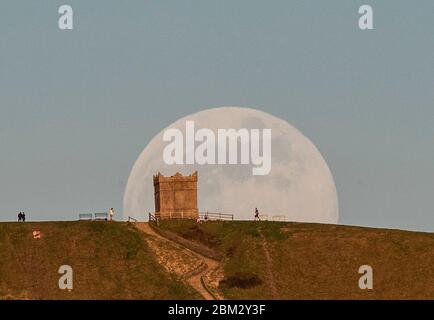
column 307, row 261
column 109, row 260
column 316, row 261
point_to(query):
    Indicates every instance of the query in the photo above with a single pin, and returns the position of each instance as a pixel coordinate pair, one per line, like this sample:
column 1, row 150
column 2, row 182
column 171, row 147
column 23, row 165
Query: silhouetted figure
column 20, row 217
column 257, row 215
column 23, row 217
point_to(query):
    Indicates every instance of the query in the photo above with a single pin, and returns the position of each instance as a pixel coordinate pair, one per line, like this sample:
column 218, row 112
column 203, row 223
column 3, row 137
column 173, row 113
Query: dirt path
column 191, row 266
column 269, row 267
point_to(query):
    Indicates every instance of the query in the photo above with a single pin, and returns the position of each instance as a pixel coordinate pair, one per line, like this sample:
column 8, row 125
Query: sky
column 77, row 107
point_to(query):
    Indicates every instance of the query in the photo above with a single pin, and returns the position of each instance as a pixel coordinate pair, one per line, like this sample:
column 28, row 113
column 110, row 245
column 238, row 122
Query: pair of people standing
column 21, row 217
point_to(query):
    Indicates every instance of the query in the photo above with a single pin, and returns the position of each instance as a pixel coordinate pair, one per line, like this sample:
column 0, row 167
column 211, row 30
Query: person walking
column 111, row 213
column 23, row 217
column 257, row 215
column 20, row 216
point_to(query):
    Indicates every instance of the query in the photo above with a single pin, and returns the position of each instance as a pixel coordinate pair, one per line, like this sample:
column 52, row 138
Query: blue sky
column 77, row 107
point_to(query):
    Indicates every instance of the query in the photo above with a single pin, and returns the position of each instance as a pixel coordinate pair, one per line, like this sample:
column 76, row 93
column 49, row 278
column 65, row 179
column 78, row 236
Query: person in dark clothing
column 20, row 217
column 257, row 215
column 23, row 217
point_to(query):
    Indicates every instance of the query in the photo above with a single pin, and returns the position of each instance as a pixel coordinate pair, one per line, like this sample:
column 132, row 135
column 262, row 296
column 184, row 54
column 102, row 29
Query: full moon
column 299, row 185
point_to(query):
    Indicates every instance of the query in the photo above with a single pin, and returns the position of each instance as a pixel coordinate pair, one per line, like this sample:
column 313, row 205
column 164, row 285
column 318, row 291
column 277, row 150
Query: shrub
column 241, row 280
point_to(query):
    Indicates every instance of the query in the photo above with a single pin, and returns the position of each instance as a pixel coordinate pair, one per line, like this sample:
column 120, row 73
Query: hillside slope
column 109, row 261
column 271, row 260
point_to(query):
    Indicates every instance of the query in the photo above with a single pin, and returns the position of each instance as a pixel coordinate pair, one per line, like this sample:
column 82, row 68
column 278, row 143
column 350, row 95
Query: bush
column 241, row 280
column 196, row 233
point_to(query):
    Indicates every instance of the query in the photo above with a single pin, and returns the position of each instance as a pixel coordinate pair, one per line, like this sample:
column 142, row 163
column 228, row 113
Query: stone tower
column 176, row 196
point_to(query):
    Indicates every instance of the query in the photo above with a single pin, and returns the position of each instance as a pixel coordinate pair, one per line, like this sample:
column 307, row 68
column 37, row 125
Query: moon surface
column 299, row 186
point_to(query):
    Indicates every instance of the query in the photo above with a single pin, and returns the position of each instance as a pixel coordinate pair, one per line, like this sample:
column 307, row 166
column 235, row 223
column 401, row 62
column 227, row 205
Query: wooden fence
column 131, row 219
column 203, row 216
column 215, row 216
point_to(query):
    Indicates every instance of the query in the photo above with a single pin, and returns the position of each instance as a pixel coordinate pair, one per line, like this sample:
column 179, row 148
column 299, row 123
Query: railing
column 153, row 219
column 215, row 216
column 203, row 216
column 176, row 215
column 93, row 216
column 101, row 216
column 132, row 219
column 85, row 216
column 263, row 217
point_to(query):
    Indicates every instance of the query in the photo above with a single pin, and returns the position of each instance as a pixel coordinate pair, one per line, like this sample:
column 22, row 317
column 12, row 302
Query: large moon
column 299, row 186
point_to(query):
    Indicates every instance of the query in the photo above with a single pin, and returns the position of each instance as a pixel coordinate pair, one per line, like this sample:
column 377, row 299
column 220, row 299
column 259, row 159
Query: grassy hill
column 313, row 261
column 266, row 260
column 109, row 260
